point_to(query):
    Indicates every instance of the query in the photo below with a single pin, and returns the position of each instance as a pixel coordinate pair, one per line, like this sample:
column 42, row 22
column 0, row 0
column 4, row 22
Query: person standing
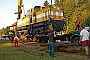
column 89, row 41
column 51, row 43
column 16, row 41
column 84, row 38
column 77, row 24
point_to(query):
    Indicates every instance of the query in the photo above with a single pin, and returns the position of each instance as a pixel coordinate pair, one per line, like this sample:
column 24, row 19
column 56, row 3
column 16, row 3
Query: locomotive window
column 45, row 14
column 48, row 14
column 36, row 9
column 54, row 13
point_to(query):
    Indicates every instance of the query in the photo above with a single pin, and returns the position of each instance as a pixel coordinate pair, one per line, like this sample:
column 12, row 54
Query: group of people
column 84, row 38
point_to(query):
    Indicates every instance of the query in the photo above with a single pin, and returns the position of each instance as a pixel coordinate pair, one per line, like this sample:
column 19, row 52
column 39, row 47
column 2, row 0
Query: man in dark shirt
column 51, row 43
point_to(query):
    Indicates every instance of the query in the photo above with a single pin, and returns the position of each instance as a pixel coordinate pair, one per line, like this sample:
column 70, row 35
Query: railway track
column 67, row 49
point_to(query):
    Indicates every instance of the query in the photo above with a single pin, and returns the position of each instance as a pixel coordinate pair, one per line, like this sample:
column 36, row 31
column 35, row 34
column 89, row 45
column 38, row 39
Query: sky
column 9, row 7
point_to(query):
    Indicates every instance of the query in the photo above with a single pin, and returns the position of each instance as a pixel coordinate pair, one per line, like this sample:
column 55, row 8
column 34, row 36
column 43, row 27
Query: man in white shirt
column 84, row 38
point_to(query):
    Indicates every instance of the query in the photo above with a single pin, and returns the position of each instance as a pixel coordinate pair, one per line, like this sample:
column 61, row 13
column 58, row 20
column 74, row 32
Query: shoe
column 88, row 56
column 51, row 56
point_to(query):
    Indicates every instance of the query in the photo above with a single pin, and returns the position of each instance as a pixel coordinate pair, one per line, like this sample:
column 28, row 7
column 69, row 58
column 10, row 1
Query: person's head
column 15, row 34
column 49, row 30
column 89, row 29
column 82, row 27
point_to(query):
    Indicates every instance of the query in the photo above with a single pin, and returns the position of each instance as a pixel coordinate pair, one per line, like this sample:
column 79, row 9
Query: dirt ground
column 72, row 51
column 75, row 55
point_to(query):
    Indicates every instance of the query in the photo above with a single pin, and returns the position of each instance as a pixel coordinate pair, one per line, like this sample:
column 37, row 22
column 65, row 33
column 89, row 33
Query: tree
column 74, row 9
column 58, row 3
column 46, row 4
column 4, row 31
column 87, row 23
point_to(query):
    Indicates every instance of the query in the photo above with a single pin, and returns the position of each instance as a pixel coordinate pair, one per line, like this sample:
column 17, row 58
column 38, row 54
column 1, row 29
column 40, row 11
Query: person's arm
column 14, row 38
column 80, row 38
column 81, row 35
column 54, row 34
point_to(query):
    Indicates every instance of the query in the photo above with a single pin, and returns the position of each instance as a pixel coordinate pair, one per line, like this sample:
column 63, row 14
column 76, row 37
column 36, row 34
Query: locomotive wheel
column 75, row 40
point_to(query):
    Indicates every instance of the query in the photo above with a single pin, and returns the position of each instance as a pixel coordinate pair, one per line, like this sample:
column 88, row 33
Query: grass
column 9, row 52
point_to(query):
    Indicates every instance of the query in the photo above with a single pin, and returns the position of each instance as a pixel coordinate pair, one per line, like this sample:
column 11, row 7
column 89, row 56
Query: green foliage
column 87, row 23
column 46, row 4
column 58, row 3
column 73, row 10
column 4, row 31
